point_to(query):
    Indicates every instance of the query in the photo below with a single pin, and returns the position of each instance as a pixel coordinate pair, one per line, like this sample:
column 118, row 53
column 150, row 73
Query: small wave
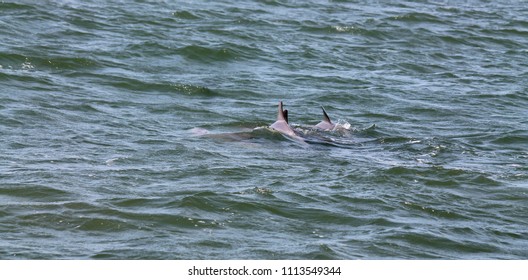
column 437, row 212
column 34, row 192
column 417, row 17
column 21, row 62
column 345, row 30
column 73, row 63
column 133, row 84
column 103, row 224
column 144, row 48
column 16, row 6
column 438, row 244
column 185, row 15
column 519, row 138
column 334, row 29
column 207, row 54
column 193, row 89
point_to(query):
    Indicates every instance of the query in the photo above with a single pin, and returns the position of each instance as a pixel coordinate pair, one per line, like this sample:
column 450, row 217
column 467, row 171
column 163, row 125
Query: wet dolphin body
column 326, row 123
column 281, row 124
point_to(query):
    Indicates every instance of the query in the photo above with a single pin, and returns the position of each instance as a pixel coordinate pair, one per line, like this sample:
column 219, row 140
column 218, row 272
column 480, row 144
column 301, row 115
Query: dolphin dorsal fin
column 280, row 115
column 326, row 118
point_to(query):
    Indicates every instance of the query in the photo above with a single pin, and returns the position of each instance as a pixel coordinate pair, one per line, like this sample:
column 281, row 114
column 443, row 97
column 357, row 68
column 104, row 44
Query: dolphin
column 326, row 123
column 281, row 124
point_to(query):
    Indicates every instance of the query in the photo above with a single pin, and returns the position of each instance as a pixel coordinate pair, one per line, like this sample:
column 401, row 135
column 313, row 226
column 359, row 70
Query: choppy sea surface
column 137, row 130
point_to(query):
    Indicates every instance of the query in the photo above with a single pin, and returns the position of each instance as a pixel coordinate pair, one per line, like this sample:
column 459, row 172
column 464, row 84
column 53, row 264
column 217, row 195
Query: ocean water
column 137, row 129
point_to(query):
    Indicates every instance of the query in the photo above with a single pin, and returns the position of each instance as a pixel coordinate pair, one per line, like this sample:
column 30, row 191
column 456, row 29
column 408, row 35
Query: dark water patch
column 21, row 68
column 185, row 15
column 208, row 54
column 429, row 110
column 75, row 108
column 180, row 222
column 11, row 122
column 194, row 90
column 108, row 255
column 129, row 203
column 85, row 23
column 235, row 51
column 444, row 183
column 509, row 234
column 143, row 218
column 300, row 198
column 214, row 244
column 510, row 99
column 141, row 86
column 321, row 252
column 453, row 178
column 455, row 39
column 208, row 201
column 234, row 173
column 72, row 63
column 102, row 225
column 155, row 253
column 483, row 180
column 51, row 63
column 147, row 48
column 34, row 192
column 9, row 6
column 514, row 138
column 357, row 200
column 14, row 61
column 48, row 220
column 495, row 39
column 419, row 18
column 446, row 213
column 382, row 222
column 517, row 32
column 421, row 69
column 312, row 214
column 80, row 206
column 441, row 243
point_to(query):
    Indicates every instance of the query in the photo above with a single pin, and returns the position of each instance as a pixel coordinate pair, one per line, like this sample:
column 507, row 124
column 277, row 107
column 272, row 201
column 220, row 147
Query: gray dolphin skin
column 326, row 123
column 281, row 124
